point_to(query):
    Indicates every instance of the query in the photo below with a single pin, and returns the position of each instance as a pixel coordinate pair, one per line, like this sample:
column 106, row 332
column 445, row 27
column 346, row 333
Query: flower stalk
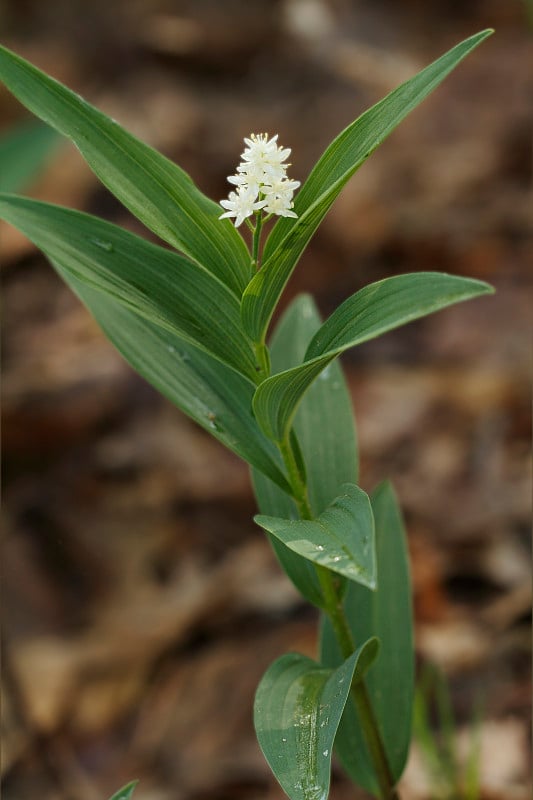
column 256, row 240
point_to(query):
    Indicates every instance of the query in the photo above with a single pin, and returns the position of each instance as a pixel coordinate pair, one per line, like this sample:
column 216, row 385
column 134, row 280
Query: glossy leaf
column 376, row 309
column 387, row 614
column 155, row 189
column 325, row 428
column 215, row 396
column 339, row 162
column 161, row 286
column 24, row 151
column 341, row 538
column 297, row 709
column 126, row 793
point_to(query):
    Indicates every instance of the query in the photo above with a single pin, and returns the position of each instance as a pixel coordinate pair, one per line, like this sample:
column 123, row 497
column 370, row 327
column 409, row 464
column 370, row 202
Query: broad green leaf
column 339, row 162
column 126, row 792
column 24, row 150
column 324, row 421
column 215, row 396
column 161, row 286
column 155, row 189
column 376, row 309
column 387, row 304
column 325, row 427
column 297, row 709
column 341, row 538
column 387, row 614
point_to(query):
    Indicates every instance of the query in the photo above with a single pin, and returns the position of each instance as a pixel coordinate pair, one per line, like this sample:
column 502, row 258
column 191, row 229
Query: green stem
column 261, row 350
column 335, row 611
column 334, row 608
column 299, row 488
column 256, row 240
column 367, row 718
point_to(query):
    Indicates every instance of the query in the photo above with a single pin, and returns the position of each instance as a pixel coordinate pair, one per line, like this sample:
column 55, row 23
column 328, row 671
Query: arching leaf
column 155, row 189
column 336, row 166
column 164, row 287
column 215, row 396
column 374, row 310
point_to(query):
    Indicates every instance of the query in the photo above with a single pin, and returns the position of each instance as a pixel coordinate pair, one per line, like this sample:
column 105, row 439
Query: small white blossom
column 280, row 187
column 241, row 204
column 261, row 181
column 278, row 205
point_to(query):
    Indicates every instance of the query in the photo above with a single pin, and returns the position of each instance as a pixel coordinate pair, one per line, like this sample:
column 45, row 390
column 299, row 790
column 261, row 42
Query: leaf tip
column 126, row 792
column 484, row 288
column 479, row 37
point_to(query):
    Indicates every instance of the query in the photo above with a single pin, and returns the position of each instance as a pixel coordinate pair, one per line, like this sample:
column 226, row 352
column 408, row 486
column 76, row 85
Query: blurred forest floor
column 140, row 604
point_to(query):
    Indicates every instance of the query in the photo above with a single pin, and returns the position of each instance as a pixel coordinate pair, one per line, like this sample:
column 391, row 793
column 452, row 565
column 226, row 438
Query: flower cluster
column 261, row 181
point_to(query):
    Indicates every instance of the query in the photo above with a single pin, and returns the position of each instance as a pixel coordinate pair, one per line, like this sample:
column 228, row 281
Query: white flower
column 241, row 204
column 264, row 154
column 261, row 181
column 280, row 187
column 278, row 195
column 278, row 205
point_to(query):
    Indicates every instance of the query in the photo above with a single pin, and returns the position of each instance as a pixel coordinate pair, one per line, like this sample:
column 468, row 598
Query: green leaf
column 156, row 190
column 341, row 538
column 215, row 396
column 387, row 304
column 387, row 614
column 297, row 709
column 161, row 286
column 24, row 150
column 324, row 421
column 277, row 398
column 126, row 792
column 339, row 162
column 374, row 310
column 330, row 450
